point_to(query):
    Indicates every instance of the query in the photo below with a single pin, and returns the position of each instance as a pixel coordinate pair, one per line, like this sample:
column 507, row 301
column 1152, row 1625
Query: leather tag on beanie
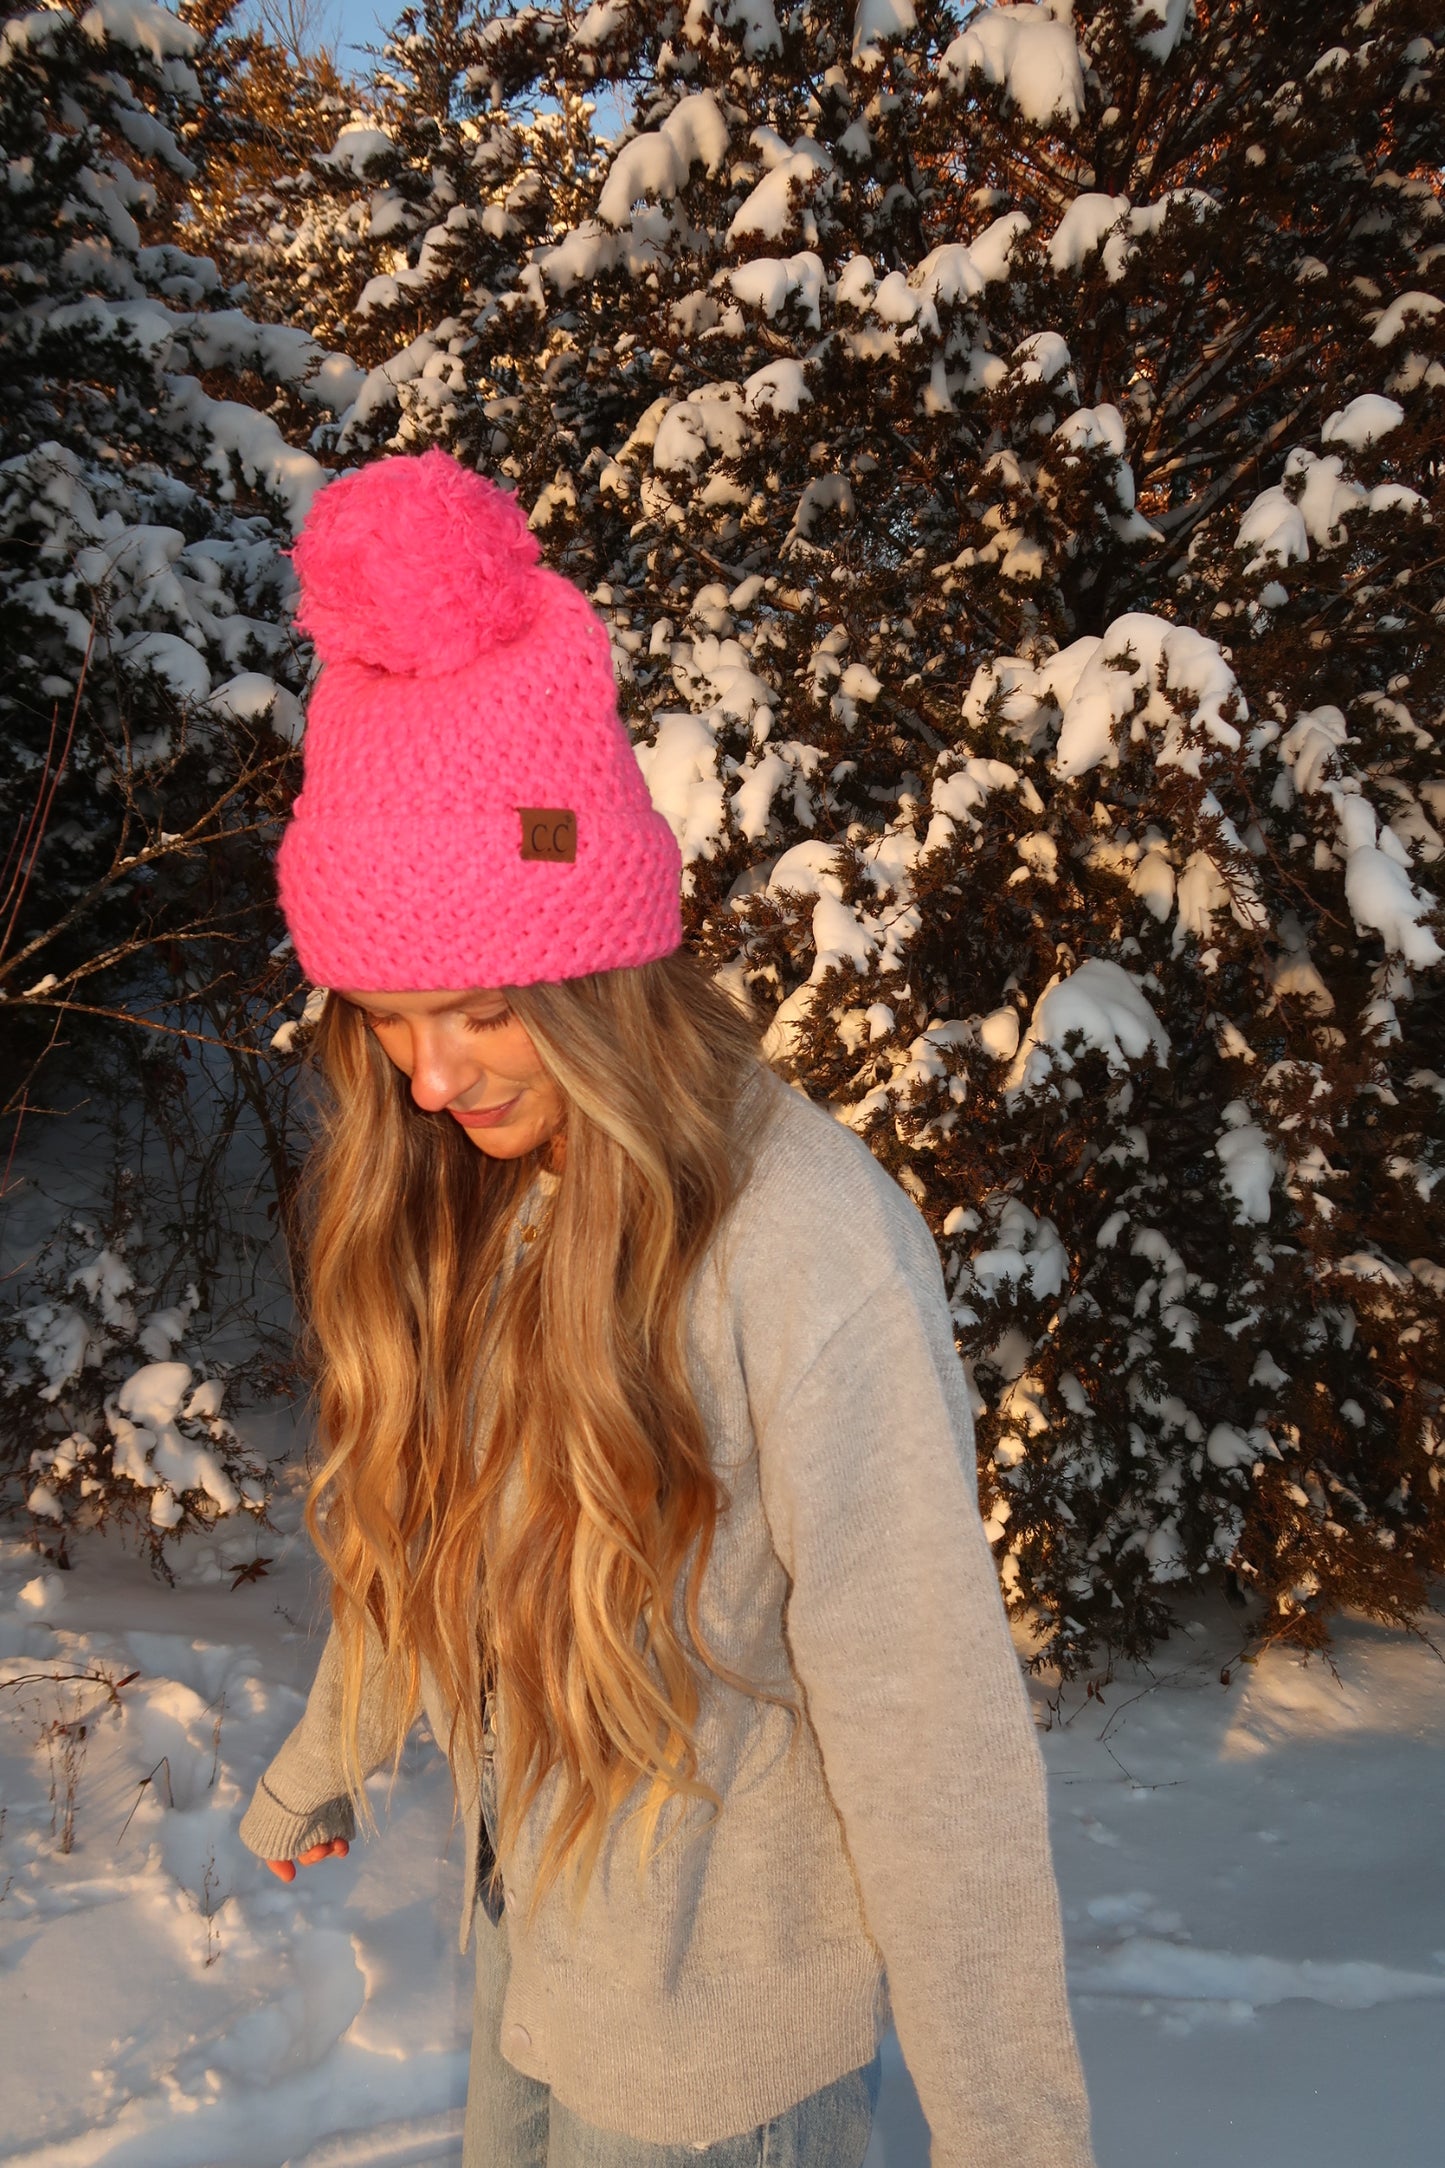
column 549, row 831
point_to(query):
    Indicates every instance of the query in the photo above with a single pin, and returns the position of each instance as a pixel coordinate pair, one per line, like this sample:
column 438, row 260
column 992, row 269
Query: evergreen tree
column 376, row 238
column 149, row 703
column 1006, row 444
column 266, row 105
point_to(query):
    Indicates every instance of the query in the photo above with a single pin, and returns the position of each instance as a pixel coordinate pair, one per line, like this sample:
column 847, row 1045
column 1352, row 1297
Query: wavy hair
column 514, row 1473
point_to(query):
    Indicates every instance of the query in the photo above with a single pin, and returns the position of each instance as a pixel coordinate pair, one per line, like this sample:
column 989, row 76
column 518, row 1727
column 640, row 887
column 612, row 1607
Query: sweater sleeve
column 901, row 1644
column 302, row 1798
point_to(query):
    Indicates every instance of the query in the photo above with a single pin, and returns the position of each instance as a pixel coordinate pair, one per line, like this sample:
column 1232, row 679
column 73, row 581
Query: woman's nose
column 440, row 1071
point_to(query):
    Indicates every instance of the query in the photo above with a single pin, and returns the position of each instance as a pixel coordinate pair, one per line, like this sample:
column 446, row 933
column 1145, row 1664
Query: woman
column 647, row 1462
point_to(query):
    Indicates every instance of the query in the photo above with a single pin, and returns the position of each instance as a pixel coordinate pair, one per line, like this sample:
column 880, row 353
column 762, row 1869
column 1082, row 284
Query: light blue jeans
column 513, row 2121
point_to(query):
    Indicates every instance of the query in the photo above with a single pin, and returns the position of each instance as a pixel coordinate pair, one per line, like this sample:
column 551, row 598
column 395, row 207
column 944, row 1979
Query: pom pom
column 416, row 566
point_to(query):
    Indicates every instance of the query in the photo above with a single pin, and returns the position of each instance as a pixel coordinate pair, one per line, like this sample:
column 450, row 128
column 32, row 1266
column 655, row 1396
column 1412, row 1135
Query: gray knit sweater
column 897, row 1863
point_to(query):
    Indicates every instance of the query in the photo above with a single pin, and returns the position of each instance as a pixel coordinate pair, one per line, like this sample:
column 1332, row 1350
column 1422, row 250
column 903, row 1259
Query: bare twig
column 29, row 849
column 163, row 1763
column 210, row 1884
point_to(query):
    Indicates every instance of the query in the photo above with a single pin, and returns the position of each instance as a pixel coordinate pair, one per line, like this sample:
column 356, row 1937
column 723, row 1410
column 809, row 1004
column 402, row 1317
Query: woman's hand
column 286, row 1868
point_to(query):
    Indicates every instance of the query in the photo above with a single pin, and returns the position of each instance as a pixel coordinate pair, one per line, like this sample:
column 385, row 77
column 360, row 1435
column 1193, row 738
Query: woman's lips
column 484, row 1117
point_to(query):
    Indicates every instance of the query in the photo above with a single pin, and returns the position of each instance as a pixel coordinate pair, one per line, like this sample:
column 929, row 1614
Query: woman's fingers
column 285, row 1869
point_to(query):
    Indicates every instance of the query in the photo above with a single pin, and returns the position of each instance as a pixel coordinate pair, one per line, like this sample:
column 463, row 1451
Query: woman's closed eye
column 471, row 1023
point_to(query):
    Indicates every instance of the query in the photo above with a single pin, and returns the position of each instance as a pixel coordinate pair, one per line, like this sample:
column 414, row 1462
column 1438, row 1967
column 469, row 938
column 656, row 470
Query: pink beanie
column 472, row 813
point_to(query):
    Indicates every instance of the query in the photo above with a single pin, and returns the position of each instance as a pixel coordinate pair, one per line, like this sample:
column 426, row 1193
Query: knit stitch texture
column 461, row 682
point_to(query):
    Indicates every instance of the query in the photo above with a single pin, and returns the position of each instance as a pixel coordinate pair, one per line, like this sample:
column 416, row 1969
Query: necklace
column 537, row 1225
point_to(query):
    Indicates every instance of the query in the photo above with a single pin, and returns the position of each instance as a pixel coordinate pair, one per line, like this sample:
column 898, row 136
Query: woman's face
column 467, row 1053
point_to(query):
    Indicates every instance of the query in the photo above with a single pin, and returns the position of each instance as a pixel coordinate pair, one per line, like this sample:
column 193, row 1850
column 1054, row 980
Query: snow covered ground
column 1255, row 1914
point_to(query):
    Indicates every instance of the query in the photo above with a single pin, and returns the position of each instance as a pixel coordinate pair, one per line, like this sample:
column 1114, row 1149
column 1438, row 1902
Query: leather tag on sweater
column 549, row 831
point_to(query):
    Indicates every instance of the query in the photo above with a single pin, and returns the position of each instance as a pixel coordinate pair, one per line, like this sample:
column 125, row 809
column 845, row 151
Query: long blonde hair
column 435, row 1385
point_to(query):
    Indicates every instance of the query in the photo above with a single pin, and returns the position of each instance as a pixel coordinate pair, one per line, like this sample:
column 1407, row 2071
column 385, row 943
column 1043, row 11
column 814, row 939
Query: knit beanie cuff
column 468, row 910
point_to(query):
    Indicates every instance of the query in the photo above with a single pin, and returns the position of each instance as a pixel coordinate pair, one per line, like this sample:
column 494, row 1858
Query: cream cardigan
column 896, row 1865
